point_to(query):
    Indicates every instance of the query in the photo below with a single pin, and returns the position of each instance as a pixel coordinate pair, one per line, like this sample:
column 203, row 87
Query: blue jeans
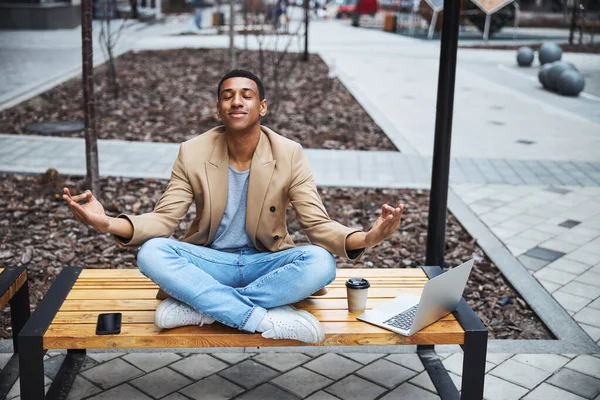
column 235, row 288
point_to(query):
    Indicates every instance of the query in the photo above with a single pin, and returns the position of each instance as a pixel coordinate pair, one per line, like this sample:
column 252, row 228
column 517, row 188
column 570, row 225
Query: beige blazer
column 279, row 175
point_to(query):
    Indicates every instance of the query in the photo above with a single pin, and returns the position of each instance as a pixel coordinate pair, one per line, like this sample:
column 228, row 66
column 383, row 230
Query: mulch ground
column 37, row 230
column 170, row 96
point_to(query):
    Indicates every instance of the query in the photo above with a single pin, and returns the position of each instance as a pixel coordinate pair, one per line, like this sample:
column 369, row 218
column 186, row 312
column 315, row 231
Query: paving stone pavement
column 539, row 199
column 358, row 376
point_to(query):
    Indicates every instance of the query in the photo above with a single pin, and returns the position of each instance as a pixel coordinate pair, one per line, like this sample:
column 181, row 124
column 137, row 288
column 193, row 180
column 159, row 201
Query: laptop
column 409, row 313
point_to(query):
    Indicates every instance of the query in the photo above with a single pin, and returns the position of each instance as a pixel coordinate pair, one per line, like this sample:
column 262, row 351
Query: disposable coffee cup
column 357, row 290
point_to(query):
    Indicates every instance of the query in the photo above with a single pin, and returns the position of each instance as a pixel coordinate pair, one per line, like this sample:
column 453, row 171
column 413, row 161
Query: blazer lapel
column 217, row 172
column 261, row 172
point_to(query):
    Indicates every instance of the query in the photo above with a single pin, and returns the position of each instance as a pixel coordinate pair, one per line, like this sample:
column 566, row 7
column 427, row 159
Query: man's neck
column 241, row 146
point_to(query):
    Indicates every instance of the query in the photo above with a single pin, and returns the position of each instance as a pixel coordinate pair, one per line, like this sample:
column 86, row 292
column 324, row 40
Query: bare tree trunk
column 232, row 60
column 91, row 136
column 306, row 18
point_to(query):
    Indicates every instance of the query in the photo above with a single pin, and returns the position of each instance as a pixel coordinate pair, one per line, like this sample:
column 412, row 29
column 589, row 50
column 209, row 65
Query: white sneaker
column 172, row 313
column 289, row 323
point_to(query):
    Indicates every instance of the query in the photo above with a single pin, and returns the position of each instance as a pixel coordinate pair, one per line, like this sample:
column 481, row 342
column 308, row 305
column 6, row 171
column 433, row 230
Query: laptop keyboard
column 403, row 320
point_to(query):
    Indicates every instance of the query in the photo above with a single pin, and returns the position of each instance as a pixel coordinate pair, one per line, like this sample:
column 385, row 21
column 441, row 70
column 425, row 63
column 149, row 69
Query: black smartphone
column 109, row 324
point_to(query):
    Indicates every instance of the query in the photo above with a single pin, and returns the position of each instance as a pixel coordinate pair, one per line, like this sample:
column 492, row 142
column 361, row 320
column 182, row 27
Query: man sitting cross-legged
column 237, row 263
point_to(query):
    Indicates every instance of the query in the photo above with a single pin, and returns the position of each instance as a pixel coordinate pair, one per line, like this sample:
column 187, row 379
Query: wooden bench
column 66, row 319
column 14, row 291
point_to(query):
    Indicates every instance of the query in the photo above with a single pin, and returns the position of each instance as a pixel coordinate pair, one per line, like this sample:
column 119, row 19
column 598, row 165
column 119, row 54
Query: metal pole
column 91, row 144
column 306, row 15
column 232, row 60
column 436, row 227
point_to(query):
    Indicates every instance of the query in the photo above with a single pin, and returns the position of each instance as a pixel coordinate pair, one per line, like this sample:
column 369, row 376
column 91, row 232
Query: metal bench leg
column 31, row 337
column 19, row 313
column 437, row 372
column 31, row 358
column 473, row 375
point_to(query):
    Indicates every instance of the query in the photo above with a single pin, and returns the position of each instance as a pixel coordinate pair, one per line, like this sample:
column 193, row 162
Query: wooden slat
column 60, row 336
column 113, row 305
column 12, row 290
column 147, row 317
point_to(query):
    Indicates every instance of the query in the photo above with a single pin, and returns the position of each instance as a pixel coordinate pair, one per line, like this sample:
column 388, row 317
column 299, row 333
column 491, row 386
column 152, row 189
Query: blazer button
column 276, row 237
column 272, row 209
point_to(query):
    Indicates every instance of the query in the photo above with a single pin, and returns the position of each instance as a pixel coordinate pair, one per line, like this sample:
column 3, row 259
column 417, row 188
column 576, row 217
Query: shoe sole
column 314, row 323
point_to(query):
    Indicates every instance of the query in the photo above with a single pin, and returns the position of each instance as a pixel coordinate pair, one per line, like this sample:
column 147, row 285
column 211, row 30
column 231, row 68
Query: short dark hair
column 242, row 73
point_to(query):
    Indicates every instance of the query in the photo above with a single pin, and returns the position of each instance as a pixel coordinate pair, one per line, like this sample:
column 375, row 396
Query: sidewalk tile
column 333, row 366
column 214, row 388
column 321, row 395
column 589, row 316
column 102, row 357
column 151, row 361
column 198, row 366
column 532, row 264
column 595, row 303
column 549, row 392
column 355, row 388
column 583, row 257
column 569, row 301
column 175, row 396
column 411, row 361
column 502, row 233
column 519, row 373
column 567, row 265
column 423, row 380
column 581, row 289
column 248, row 374
column 586, row 364
column 82, row 388
column 559, row 245
column 121, row 392
column 364, row 358
column 233, row 358
column 499, row 389
column 589, row 278
column 544, row 254
column 592, row 331
column 554, row 275
column 497, row 358
column 575, row 382
column 549, row 286
column 160, row 382
column 521, row 242
column 112, row 373
column 454, row 364
column 386, row 373
column 546, row 362
column 267, row 391
column 408, row 391
column 301, row 381
column 281, row 362
column 593, row 247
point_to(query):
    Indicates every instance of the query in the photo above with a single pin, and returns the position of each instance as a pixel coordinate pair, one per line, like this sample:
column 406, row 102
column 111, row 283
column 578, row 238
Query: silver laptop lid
column 441, row 295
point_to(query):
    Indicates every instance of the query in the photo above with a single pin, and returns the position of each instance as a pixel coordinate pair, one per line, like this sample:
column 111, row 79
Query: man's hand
column 90, row 213
column 387, row 223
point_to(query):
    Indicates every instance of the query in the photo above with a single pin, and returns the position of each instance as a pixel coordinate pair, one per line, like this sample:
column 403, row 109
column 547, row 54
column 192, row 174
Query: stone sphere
column 570, row 83
column 543, row 74
column 549, row 52
column 525, row 56
column 554, row 74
